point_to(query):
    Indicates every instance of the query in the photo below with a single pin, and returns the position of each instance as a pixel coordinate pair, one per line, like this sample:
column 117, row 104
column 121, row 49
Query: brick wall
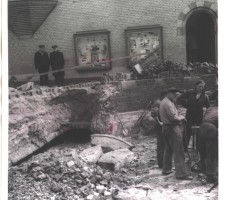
column 135, row 95
column 71, row 16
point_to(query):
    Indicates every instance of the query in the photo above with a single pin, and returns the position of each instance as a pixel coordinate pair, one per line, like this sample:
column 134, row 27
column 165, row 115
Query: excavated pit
column 36, row 120
column 71, row 138
column 48, row 133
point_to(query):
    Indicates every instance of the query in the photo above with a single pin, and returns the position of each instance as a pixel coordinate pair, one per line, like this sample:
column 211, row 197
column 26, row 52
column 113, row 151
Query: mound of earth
column 36, row 120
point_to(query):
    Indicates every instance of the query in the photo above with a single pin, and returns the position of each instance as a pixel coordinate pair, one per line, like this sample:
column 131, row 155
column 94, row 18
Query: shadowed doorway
column 200, row 35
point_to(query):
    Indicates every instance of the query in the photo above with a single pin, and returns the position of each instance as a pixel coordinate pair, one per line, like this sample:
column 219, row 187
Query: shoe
column 196, row 168
column 160, row 166
column 188, row 178
column 166, row 173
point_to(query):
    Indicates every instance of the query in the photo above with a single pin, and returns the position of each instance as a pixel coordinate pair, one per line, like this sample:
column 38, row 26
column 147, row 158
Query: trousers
column 44, row 80
column 174, row 147
column 59, row 78
column 160, row 145
column 189, row 130
column 208, row 148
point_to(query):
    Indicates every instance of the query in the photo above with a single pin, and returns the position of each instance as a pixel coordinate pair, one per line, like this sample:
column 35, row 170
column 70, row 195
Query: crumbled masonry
column 69, row 170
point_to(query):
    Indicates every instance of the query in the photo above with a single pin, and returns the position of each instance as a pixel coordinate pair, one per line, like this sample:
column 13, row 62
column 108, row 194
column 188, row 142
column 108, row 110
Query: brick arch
column 182, row 18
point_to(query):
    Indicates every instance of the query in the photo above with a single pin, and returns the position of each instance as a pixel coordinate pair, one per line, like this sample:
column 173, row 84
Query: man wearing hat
column 158, row 128
column 41, row 62
column 57, row 62
column 173, row 136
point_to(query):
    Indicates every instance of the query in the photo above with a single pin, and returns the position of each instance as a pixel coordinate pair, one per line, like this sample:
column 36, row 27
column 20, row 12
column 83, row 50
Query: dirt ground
column 58, row 173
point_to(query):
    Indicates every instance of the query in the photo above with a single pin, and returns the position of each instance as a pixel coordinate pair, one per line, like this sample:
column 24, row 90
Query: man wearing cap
column 57, row 62
column 158, row 128
column 173, row 136
column 41, row 62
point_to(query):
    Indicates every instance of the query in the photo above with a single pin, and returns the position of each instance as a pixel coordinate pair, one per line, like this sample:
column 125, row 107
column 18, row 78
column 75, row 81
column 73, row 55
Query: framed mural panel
column 92, row 50
column 144, row 41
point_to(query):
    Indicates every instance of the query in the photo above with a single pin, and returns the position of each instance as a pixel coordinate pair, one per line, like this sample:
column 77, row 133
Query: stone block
column 181, row 16
column 214, row 7
column 200, row 3
column 180, row 31
column 70, row 163
column 109, row 141
column 26, row 86
column 92, row 154
column 117, row 159
column 100, row 188
column 186, row 10
column 207, row 4
column 192, row 5
column 179, row 23
column 131, row 194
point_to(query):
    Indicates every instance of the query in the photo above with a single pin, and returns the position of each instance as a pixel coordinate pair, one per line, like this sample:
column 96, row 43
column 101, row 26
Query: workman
column 208, row 145
column 57, row 62
column 196, row 102
column 173, row 137
column 158, row 128
column 41, row 62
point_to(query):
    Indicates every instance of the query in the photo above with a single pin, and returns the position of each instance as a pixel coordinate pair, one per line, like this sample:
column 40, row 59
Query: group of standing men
column 171, row 140
column 42, row 63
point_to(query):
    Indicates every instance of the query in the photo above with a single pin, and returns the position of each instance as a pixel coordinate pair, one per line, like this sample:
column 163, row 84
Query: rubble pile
column 168, row 68
column 82, row 171
column 61, row 173
column 36, row 120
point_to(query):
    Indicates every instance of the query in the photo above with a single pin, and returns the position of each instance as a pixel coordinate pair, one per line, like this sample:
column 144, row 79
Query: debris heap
column 36, row 120
column 62, row 174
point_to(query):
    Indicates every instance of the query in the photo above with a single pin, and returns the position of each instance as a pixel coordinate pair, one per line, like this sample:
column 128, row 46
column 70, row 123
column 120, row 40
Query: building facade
column 182, row 22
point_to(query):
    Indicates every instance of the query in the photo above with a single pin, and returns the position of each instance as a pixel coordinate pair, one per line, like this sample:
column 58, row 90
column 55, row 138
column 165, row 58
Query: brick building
column 58, row 23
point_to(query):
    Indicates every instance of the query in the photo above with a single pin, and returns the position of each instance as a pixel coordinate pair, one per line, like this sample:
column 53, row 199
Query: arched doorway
column 201, row 37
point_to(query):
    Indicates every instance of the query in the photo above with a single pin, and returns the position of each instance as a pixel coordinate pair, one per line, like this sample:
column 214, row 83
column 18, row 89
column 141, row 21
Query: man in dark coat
column 57, row 62
column 208, row 145
column 195, row 101
column 41, row 62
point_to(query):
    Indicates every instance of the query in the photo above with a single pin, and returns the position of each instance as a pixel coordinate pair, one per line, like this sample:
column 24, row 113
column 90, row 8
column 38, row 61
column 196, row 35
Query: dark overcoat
column 194, row 106
column 57, row 61
column 41, row 62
